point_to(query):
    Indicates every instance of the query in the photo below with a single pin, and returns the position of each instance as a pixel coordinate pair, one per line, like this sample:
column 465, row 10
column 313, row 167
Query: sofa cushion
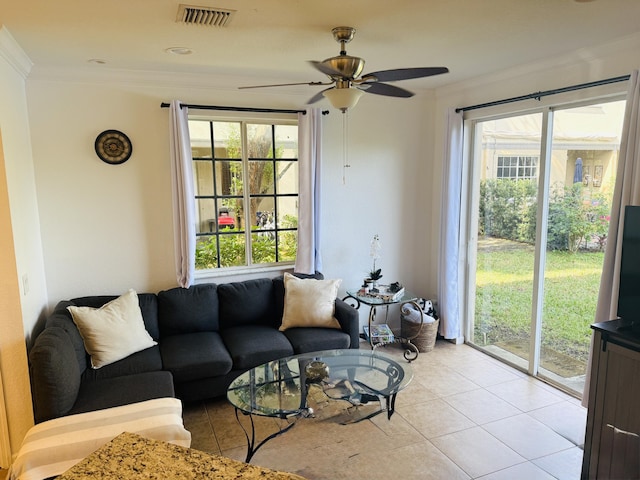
column 55, row 376
column 247, row 303
column 309, row 303
column 253, row 345
column 192, row 356
column 148, row 360
column 188, row 310
column 305, row 340
column 113, row 392
column 148, row 306
column 113, row 331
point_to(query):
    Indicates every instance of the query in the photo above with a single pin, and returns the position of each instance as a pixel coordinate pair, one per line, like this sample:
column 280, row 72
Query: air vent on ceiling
column 208, row 16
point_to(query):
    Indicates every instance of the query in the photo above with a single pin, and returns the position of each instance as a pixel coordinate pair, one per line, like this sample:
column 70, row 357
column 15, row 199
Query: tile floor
column 464, row 415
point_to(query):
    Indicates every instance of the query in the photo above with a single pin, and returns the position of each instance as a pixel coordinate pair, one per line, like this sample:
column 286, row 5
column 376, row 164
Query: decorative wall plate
column 113, row 147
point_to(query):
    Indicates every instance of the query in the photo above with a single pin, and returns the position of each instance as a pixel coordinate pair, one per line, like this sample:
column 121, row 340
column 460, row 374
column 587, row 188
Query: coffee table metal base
column 252, row 447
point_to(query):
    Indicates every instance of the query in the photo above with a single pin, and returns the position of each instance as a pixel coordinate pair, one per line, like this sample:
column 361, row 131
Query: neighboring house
column 510, row 148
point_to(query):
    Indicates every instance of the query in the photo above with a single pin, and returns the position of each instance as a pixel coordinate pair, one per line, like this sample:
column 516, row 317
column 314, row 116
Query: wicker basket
column 426, row 339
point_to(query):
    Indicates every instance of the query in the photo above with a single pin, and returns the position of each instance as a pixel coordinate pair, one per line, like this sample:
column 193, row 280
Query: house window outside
column 517, row 168
column 245, row 175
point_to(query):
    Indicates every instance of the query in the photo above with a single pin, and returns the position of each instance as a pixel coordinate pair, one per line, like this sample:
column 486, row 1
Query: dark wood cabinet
column 612, row 441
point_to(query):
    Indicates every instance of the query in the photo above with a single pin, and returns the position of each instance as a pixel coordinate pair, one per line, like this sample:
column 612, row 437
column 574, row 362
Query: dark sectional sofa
column 207, row 335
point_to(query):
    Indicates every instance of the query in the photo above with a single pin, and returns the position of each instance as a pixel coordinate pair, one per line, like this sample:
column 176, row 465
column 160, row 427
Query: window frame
column 245, row 118
column 520, row 167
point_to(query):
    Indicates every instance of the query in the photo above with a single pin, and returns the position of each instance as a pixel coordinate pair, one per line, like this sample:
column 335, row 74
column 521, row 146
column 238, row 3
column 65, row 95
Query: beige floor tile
column 477, row 452
column 419, row 461
column 481, row 406
column 565, row 465
column 564, row 418
column 196, row 420
column 485, row 373
column 414, row 393
column 522, row 471
column 443, row 381
column 524, row 394
column 318, row 451
column 434, row 418
column 527, row 436
column 238, row 453
column 398, row 431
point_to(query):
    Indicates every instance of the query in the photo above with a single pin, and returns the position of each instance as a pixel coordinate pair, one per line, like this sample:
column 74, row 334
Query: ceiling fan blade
column 404, row 74
column 325, row 69
column 318, row 96
column 385, row 89
column 285, row 85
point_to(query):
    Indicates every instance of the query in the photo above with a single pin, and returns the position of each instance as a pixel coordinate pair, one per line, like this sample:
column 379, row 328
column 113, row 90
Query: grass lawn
column 504, row 293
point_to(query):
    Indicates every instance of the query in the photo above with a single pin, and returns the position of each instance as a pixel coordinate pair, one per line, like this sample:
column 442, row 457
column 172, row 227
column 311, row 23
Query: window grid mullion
column 275, row 190
column 215, row 190
column 246, row 193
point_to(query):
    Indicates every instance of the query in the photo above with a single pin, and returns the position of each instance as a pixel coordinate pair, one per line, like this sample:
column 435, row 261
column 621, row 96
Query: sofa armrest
column 54, row 373
column 349, row 321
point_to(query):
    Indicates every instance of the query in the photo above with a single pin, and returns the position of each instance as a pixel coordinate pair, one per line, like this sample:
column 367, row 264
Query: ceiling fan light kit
column 343, row 98
column 344, row 74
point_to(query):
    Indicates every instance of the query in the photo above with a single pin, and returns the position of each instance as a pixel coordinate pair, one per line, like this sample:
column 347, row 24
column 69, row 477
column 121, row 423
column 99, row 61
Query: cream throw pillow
column 309, row 302
column 113, row 331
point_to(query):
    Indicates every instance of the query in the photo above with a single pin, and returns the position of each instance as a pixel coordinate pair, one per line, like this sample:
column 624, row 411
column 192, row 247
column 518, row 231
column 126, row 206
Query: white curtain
column 626, row 192
column 182, row 190
column 449, row 271
column 308, row 258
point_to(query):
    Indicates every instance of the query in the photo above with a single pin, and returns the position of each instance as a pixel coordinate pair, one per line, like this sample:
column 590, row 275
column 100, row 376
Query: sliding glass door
column 541, row 195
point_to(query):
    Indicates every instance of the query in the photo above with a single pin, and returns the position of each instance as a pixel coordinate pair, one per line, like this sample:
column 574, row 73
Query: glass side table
column 355, row 298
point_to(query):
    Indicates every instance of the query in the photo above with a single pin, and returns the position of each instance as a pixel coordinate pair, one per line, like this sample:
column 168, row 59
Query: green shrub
column 577, row 216
column 504, row 208
column 263, row 247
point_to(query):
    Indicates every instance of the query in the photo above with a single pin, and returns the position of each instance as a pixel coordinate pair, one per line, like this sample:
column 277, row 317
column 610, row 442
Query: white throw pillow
column 309, row 302
column 113, row 331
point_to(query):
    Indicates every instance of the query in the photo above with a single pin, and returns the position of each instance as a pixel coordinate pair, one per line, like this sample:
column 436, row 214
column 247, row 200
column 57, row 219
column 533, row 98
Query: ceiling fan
column 348, row 85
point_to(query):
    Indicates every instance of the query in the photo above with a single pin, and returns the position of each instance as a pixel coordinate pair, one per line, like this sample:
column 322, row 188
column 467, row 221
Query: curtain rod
column 240, row 109
column 539, row 95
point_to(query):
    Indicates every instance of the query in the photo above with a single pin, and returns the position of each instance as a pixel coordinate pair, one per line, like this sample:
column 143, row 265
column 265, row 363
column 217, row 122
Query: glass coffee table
column 279, row 388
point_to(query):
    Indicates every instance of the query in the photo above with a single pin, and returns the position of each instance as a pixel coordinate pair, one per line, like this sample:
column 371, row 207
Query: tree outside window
column 246, row 192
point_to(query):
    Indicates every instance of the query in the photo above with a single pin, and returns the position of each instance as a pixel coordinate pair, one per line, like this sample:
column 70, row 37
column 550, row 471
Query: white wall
column 20, row 247
column 108, row 228
column 384, row 193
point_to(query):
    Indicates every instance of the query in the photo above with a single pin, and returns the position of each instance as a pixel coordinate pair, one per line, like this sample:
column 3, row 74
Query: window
column 517, row 168
column 245, row 176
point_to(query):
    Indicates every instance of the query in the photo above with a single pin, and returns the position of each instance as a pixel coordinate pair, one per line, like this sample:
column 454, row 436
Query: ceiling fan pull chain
column 345, row 145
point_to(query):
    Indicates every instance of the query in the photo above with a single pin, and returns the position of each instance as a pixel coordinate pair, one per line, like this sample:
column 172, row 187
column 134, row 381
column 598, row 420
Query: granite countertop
column 131, row 456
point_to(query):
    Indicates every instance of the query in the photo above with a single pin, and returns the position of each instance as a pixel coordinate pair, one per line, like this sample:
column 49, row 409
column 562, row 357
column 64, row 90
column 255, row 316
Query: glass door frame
column 470, row 218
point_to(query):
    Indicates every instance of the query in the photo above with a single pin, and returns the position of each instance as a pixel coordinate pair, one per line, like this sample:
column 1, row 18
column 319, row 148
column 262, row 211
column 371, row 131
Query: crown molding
column 99, row 74
column 11, row 51
column 586, row 64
